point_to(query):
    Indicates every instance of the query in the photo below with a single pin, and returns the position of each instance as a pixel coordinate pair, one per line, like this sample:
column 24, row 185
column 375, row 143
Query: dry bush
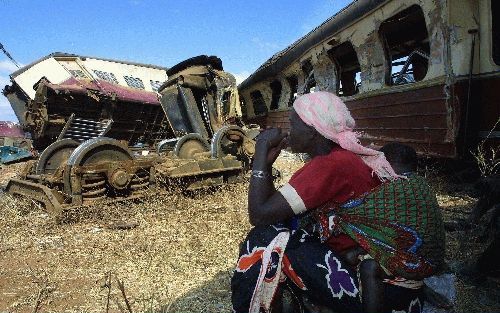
column 487, row 158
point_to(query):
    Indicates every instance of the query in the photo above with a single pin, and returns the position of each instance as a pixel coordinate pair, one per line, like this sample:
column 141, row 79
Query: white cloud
column 240, row 77
column 7, row 67
column 6, row 113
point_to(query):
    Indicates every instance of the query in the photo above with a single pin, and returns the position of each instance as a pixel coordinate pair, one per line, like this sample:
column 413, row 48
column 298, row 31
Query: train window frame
column 134, row 82
column 155, row 84
column 293, row 83
column 276, row 88
column 107, row 76
column 403, row 53
column 244, row 107
column 495, row 33
column 78, row 74
column 309, row 79
column 352, row 76
column 258, row 103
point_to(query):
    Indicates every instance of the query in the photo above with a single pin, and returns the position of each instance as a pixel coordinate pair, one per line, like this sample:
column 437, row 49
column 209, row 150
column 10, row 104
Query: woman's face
column 301, row 134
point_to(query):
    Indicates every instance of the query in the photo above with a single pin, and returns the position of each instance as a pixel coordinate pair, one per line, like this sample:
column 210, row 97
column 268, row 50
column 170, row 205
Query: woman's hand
column 269, row 144
column 266, row 205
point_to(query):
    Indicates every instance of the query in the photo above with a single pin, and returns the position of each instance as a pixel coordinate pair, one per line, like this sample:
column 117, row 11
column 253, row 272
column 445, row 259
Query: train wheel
column 190, row 144
column 97, row 151
column 232, row 140
column 55, row 155
column 166, row 145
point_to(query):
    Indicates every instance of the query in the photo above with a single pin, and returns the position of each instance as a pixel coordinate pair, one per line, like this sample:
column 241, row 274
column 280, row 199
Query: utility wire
column 8, row 55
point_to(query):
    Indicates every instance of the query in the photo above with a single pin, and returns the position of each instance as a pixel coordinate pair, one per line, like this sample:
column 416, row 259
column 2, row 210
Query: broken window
column 134, row 82
column 259, row 104
column 226, row 103
column 78, row 74
column 275, row 99
column 406, row 43
column 495, row 30
column 155, row 84
column 109, row 77
column 293, row 81
column 348, row 69
column 310, row 82
column 243, row 106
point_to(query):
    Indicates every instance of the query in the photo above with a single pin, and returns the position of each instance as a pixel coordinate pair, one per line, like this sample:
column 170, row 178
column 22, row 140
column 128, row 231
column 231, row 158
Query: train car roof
column 284, row 58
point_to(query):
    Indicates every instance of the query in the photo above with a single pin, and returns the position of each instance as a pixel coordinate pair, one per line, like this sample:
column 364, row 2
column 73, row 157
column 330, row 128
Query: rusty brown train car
column 422, row 72
column 108, row 96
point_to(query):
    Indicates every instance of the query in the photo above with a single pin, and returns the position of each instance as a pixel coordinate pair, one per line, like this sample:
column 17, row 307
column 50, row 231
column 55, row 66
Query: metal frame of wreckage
column 209, row 147
column 14, row 146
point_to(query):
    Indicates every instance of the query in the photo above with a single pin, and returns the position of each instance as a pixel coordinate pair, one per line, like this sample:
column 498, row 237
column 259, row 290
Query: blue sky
column 243, row 34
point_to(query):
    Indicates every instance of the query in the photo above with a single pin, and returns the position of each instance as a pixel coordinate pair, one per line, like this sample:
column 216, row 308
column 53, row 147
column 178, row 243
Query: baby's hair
column 402, row 158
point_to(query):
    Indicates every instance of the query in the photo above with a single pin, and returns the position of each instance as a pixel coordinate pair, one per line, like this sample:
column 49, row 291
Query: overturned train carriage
column 105, row 96
column 422, row 72
column 191, row 136
column 211, row 145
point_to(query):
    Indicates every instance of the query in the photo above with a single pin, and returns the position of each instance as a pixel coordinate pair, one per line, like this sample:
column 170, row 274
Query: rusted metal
column 130, row 110
column 206, row 143
column 55, row 155
column 59, row 92
column 200, row 98
column 50, row 198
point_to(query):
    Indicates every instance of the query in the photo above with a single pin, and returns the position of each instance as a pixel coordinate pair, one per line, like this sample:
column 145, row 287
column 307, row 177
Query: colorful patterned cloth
column 399, row 224
column 312, row 270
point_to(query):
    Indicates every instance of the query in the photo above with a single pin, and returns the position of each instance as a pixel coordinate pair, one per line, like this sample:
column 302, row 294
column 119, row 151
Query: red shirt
column 339, row 176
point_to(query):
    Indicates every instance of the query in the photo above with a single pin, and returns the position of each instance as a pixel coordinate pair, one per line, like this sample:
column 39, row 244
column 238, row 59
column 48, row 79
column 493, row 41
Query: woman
column 340, row 170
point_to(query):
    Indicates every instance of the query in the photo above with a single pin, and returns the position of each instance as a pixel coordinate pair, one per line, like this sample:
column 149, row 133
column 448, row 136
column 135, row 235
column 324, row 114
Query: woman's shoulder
column 344, row 159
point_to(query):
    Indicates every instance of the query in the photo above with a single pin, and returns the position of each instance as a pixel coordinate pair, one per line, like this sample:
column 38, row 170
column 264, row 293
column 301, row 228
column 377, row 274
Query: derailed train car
column 115, row 97
column 422, row 72
column 108, row 141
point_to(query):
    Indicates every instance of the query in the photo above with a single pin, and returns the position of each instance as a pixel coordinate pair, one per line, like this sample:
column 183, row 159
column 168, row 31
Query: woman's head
column 316, row 117
column 330, row 117
column 326, row 112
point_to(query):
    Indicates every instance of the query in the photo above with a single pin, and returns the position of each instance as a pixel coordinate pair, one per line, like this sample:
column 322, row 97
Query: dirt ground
column 164, row 253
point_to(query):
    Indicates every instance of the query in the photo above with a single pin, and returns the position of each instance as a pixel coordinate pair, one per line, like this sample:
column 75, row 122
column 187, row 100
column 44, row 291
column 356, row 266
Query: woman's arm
column 265, row 205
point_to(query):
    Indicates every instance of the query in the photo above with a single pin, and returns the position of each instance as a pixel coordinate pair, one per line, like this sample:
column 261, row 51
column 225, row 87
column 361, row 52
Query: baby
column 403, row 160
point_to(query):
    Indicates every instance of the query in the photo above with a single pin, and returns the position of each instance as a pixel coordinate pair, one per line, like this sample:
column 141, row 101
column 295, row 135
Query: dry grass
column 180, row 244
column 176, row 253
column 177, row 256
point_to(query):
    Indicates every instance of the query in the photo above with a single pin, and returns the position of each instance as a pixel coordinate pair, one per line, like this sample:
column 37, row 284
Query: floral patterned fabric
column 399, row 224
column 310, row 269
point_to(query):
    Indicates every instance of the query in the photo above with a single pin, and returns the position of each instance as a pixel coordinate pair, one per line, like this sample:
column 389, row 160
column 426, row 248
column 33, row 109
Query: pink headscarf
column 328, row 114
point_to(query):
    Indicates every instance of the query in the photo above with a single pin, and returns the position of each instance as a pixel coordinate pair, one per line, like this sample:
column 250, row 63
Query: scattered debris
column 10, row 154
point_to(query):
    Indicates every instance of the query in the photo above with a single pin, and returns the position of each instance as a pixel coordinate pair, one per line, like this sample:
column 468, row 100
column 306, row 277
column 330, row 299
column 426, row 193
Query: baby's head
column 402, row 158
